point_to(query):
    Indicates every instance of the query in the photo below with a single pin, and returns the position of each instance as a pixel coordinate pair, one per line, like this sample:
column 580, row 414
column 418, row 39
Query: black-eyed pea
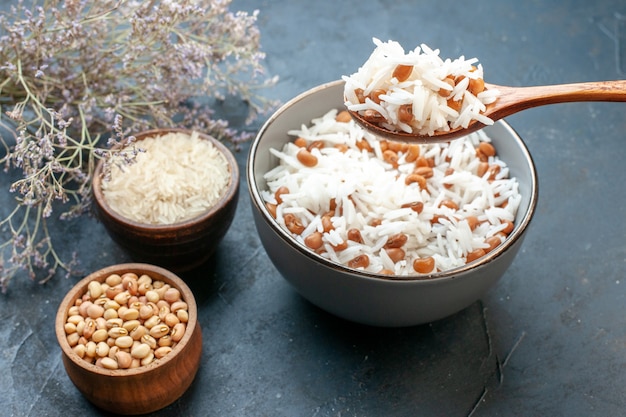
column 171, row 319
column 100, row 335
column 113, row 351
column 149, row 340
column 140, row 351
column 142, row 288
column 110, row 313
column 124, row 359
column 165, row 341
column 144, row 279
column 135, row 363
column 179, row 305
column 138, row 332
column 146, row 311
column 75, row 319
column 111, row 292
column 82, row 340
column 122, row 298
column 110, row 341
column 172, row 295
column 152, row 296
column 90, row 349
column 101, row 323
column 162, row 351
column 111, row 304
column 164, row 310
column 114, row 322
column 80, row 327
column 69, row 328
column 72, row 339
column 102, row 349
column 113, row 280
column 131, row 325
column 124, row 342
column 129, row 314
column 73, row 311
column 178, row 331
column 83, row 307
column 159, row 330
column 161, row 290
column 183, row 316
column 116, row 332
column 94, row 289
column 148, row 359
column 158, row 284
column 79, row 349
column 151, row 322
column 107, row 363
column 89, row 328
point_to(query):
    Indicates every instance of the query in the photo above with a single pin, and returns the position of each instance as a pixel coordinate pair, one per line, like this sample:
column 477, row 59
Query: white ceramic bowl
column 370, row 298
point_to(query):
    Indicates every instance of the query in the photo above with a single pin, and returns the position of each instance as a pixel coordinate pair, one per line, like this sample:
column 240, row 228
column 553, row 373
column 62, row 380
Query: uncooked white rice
column 372, row 195
column 436, row 105
column 177, row 177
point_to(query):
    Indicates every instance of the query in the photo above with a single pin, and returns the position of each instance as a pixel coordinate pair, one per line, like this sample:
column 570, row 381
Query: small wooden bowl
column 181, row 246
column 139, row 390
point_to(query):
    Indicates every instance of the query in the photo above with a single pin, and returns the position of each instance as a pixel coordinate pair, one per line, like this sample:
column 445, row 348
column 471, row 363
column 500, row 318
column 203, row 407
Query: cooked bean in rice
column 418, row 91
column 177, row 177
column 389, row 207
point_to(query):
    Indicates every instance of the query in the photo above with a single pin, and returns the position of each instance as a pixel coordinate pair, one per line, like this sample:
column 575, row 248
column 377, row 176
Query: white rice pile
column 430, row 95
column 178, row 177
column 351, row 187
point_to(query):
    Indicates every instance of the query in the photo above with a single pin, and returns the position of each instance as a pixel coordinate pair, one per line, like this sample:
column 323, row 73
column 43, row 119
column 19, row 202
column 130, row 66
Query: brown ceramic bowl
column 146, row 388
column 180, row 246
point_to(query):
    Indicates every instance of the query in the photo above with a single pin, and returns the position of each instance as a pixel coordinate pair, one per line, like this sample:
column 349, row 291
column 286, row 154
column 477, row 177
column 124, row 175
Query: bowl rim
column 229, row 193
column 81, row 286
column 426, row 279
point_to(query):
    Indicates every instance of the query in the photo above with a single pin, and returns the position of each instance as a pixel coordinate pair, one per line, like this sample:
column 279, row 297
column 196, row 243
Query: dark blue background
column 548, row 340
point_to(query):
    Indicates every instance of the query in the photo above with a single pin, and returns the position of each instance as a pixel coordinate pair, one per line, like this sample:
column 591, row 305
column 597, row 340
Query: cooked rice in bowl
column 389, row 207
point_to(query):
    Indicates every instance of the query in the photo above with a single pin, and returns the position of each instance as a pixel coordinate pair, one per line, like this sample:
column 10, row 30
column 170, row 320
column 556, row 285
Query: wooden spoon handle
column 515, row 99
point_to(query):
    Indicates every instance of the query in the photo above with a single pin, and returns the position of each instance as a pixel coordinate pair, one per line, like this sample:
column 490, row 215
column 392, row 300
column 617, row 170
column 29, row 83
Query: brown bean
column 279, row 192
column 300, row 142
column 424, row 265
column 472, row 222
column 509, row 227
column 396, row 254
column 455, row 105
column 412, row 153
column 405, row 113
column 396, row 241
column 360, row 261
column 417, row 206
column 426, row 172
column 375, row 95
column 364, row 145
column 402, row 72
column 493, row 242
column 306, row 158
column 372, row 116
column 443, row 92
column 450, row 204
column 416, row 178
column 327, row 224
column 344, row 116
column 355, row 235
column 391, row 158
column 482, row 169
column 314, row 240
column 475, row 254
column 476, row 86
column 487, row 148
column 271, row 208
column 293, row 224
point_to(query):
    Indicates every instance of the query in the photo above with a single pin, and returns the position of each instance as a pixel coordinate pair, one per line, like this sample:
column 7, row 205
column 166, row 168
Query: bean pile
column 126, row 321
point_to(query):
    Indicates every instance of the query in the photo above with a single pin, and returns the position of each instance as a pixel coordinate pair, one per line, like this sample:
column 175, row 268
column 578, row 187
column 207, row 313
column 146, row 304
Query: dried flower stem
column 78, row 77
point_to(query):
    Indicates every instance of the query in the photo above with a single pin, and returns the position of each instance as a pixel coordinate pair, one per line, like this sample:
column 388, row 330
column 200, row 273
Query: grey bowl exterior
column 368, row 298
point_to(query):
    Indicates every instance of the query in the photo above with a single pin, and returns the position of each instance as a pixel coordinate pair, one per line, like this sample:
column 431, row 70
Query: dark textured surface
column 549, row 339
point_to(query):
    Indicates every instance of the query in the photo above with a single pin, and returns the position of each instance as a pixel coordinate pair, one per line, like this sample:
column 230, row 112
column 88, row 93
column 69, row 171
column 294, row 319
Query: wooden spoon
column 510, row 101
